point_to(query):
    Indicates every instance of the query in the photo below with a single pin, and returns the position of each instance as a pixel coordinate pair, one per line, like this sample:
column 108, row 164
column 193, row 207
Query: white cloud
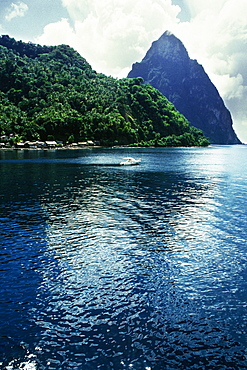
column 78, row 10
column 16, row 10
column 58, row 33
column 112, row 35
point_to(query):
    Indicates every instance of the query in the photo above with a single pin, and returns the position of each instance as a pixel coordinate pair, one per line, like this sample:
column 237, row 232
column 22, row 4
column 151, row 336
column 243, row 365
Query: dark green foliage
column 53, row 92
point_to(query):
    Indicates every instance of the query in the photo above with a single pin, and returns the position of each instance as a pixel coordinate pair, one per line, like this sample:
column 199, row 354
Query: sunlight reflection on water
column 141, row 267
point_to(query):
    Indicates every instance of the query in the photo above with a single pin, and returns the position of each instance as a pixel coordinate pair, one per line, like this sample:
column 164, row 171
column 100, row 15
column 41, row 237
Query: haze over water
column 111, row 267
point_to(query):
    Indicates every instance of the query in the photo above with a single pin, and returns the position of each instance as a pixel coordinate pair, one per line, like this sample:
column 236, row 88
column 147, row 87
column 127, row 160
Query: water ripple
column 117, row 268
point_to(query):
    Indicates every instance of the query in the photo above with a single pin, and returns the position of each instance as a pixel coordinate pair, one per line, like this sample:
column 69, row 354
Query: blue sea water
column 111, row 267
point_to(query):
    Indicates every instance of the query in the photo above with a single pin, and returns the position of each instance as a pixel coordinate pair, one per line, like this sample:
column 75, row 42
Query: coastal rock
column 168, row 67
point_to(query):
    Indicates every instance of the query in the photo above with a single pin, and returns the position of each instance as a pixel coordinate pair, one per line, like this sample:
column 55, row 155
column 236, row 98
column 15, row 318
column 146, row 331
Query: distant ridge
column 168, row 67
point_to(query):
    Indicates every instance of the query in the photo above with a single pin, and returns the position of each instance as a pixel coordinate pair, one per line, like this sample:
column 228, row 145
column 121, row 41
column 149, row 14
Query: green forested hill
column 52, row 92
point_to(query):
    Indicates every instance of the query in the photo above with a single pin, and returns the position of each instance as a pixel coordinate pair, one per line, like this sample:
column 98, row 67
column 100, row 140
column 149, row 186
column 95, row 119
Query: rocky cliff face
column 183, row 81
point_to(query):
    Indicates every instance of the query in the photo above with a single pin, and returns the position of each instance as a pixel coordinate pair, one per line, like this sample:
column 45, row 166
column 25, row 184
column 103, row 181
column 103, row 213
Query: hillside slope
column 168, row 67
column 52, row 92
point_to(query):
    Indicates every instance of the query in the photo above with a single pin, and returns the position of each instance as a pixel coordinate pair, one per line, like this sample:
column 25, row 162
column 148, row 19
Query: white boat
column 129, row 161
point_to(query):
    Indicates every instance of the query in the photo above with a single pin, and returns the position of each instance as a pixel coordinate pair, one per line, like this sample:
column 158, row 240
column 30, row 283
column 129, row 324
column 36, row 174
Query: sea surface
column 110, row 267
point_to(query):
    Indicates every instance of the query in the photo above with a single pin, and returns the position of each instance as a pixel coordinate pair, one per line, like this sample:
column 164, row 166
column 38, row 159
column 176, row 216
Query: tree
column 54, row 91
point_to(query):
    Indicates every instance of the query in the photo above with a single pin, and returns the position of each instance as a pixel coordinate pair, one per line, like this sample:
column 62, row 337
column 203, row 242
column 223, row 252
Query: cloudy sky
column 114, row 34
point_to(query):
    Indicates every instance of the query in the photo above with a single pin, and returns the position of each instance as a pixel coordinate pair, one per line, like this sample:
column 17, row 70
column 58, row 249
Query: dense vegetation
column 52, row 92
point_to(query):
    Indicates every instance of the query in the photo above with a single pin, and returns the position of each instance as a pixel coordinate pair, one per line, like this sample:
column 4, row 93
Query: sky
column 113, row 34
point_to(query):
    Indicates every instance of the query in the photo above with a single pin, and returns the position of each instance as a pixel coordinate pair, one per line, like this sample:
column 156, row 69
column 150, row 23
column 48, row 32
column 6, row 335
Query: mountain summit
column 168, row 67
